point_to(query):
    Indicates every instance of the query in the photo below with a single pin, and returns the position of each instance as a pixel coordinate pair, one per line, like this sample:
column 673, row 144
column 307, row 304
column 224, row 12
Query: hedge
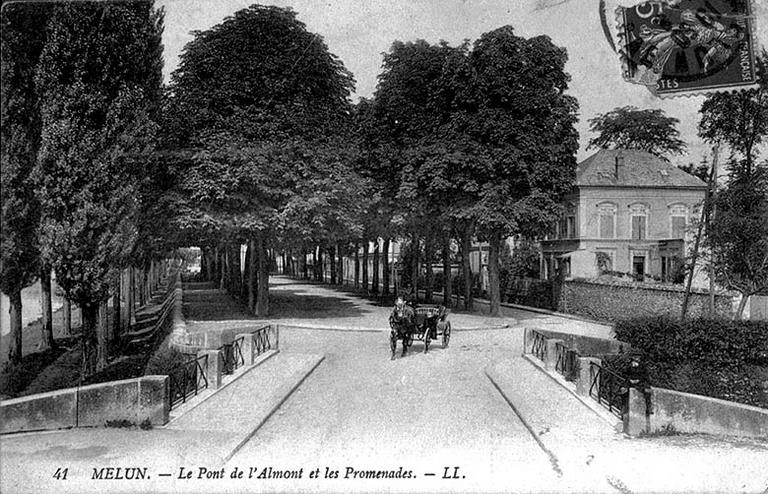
column 713, row 357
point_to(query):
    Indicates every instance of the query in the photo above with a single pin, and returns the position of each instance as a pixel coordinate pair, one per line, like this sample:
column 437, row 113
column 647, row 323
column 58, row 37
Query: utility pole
column 710, row 215
column 704, row 218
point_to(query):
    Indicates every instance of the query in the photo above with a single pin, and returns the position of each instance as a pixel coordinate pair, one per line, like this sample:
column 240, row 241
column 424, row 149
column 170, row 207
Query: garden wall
column 690, row 413
column 611, row 302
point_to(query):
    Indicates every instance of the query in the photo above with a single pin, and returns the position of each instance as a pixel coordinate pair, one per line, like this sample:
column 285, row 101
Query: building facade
column 629, row 214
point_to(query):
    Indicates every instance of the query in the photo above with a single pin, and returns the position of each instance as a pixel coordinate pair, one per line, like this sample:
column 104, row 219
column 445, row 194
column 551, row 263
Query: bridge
column 331, row 412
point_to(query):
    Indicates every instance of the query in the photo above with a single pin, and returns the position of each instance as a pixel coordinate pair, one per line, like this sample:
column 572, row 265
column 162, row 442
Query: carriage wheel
column 446, row 334
column 426, row 340
column 393, row 342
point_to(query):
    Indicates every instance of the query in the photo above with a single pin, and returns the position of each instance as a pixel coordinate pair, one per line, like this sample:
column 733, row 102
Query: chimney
column 619, row 165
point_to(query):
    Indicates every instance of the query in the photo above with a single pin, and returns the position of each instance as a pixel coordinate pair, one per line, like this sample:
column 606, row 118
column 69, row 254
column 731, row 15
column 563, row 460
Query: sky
column 359, row 31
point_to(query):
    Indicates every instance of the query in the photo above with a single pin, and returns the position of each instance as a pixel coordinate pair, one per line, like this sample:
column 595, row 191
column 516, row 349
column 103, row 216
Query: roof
column 638, row 169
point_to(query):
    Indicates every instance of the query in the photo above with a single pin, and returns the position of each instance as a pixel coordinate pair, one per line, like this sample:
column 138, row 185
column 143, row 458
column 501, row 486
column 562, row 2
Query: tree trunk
column 415, row 268
column 428, row 268
column 131, row 299
column 357, row 265
column 90, row 316
column 46, row 334
column 67, row 315
column 466, row 245
column 375, row 280
column 116, row 308
column 210, row 265
column 224, row 264
column 246, row 275
column 340, row 265
column 252, row 274
column 365, row 265
column 14, row 352
column 385, row 267
column 494, row 241
column 332, row 264
column 447, row 274
column 740, row 309
column 262, row 304
column 102, row 337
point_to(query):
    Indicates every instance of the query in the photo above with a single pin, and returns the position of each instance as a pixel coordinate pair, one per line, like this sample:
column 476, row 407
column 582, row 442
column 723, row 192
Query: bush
column 712, row 357
column 714, row 341
column 164, row 361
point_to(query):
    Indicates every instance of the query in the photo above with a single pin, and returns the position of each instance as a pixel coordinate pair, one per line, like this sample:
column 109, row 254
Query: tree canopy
column 631, row 128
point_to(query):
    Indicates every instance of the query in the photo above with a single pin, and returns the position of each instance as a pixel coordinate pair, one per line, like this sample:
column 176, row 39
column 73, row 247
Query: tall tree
column 99, row 80
column 512, row 108
column 739, row 120
column 737, row 239
column 263, row 102
column 23, row 37
column 631, row 128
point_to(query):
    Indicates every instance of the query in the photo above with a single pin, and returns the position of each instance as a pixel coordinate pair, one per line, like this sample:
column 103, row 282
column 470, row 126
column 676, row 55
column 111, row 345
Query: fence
column 566, row 361
column 260, row 341
column 188, row 379
column 232, row 355
column 538, row 345
column 608, row 388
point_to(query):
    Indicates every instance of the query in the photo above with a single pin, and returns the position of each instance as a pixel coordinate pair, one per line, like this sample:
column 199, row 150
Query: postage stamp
column 683, row 47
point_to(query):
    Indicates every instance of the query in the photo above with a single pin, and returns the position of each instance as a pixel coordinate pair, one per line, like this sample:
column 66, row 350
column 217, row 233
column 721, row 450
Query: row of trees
column 81, row 96
column 458, row 143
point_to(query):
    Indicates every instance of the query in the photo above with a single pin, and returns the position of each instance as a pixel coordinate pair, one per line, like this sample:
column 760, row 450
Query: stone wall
column 610, row 302
column 674, row 411
column 140, row 400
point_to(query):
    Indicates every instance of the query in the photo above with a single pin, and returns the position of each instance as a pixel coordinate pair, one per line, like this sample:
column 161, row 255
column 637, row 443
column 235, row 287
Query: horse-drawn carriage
column 423, row 323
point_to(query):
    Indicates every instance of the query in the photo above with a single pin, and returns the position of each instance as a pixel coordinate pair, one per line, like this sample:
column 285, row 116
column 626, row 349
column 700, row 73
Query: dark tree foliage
column 738, row 232
column 631, row 128
column 23, row 37
column 737, row 239
column 263, row 108
column 739, row 119
column 482, row 138
column 259, row 74
column 99, row 80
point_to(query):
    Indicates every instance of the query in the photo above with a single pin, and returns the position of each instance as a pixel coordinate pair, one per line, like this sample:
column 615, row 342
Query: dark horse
column 403, row 324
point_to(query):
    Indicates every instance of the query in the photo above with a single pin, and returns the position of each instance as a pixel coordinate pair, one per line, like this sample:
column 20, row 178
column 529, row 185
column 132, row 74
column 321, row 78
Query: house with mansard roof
column 629, row 212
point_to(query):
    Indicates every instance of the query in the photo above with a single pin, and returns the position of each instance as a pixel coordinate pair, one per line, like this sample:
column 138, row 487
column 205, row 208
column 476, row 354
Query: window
column 678, row 221
column 604, row 262
column 570, row 226
column 607, row 218
column 639, row 215
column 638, row 227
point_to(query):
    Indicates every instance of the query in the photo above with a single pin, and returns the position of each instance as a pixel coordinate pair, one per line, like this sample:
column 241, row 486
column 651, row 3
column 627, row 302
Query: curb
column 272, row 410
column 377, row 330
column 551, row 455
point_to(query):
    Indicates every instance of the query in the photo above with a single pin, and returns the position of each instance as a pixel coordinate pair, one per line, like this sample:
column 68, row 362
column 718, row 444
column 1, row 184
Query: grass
column 14, row 379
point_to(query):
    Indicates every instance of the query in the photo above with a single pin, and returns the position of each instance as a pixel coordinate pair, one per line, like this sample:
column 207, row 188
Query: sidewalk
column 590, row 455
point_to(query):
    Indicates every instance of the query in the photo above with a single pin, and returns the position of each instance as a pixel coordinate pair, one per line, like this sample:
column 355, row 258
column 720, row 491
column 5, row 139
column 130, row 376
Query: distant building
column 629, row 213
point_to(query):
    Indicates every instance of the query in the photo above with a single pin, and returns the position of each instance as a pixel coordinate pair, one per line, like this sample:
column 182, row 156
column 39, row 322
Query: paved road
column 423, row 412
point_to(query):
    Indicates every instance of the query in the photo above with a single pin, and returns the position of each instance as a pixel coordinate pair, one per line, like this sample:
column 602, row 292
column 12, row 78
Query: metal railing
column 566, row 361
column 608, row 388
column 260, row 341
column 188, row 379
column 539, row 345
column 232, row 356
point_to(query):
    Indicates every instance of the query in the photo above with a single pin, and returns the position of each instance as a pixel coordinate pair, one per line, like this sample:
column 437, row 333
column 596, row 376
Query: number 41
column 61, row 474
